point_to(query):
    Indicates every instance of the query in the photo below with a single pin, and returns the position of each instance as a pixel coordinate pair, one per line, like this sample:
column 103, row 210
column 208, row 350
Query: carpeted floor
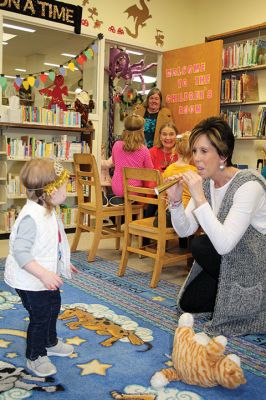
column 127, row 339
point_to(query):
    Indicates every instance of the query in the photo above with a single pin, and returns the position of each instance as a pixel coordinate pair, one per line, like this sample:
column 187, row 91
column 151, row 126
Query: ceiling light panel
column 19, row 28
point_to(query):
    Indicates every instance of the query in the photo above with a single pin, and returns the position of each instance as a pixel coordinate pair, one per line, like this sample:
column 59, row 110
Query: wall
column 215, row 17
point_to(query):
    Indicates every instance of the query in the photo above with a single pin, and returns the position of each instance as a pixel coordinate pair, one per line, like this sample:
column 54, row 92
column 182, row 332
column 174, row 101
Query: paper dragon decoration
column 56, row 91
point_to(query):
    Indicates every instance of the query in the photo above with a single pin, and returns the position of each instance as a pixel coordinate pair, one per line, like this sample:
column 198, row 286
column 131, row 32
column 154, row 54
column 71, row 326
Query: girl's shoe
column 41, row 367
column 116, row 201
column 61, row 349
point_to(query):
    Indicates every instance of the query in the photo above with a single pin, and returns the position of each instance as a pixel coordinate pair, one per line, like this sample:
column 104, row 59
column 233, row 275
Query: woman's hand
column 175, row 192
column 194, row 183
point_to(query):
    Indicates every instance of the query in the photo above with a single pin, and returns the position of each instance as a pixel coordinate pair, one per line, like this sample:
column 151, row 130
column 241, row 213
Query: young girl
column 38, row 254
column 182, row 164
column 129, row 152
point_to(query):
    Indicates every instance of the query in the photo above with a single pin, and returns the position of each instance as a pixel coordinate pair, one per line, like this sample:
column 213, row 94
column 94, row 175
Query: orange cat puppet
column 200, row 360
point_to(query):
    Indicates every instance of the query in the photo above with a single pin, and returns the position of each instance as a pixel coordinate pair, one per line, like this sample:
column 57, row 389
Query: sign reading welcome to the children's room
column 51, row 10
column 191, row 83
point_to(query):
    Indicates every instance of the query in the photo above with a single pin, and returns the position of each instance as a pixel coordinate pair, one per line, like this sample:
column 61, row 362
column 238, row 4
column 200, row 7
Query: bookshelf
column 243, row 90
column 16, row 143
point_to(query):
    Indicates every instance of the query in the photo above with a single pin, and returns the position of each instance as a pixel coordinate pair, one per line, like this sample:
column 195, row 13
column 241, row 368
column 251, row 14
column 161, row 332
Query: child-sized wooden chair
column 91, row 213
column 144, row 227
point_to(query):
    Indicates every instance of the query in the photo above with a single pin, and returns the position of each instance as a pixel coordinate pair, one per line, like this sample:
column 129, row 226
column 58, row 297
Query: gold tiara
column 62, row 174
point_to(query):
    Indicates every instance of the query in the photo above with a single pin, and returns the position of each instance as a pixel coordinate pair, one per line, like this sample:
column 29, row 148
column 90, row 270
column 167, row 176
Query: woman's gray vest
column 240, row 306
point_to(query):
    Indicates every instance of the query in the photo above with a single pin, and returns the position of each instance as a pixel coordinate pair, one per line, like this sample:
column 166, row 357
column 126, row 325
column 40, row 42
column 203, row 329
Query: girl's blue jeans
column 43, row 308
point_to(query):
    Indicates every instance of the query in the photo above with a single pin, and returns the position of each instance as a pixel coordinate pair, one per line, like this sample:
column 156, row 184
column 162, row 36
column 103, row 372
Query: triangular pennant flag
column 91, row 52
column 52, row 75
column 3, row 82
column 87, row 54
column 71, row 66
column 43, row 77
column 62, row 70
column 26, row 84
column 80, row 60
column 16, row 86
column 31, row 80
column 94, row 48
column 37, row 83
column 18, row 81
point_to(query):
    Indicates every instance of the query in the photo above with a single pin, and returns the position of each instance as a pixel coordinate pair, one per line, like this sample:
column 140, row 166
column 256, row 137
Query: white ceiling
column 50, row 44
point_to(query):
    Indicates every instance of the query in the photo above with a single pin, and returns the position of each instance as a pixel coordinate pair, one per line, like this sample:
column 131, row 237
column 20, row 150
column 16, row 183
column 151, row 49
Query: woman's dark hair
column 153, row 91
column 219, row 134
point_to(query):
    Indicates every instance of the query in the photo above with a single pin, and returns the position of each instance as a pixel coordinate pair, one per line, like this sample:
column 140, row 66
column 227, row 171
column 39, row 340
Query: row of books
column 240, row 88
column 241, row 123
column 66, row 213
column 244, row 54
column 15, row 187
column 31, row 147
column 56, row 116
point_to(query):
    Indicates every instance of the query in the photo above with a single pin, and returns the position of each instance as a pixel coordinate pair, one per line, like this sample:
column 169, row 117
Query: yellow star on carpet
column 169, row 363
column 73, row 355
column 26, row 319
column 75, row 340
column 94, row 367
column 4, row 344
column 158, row 298
column 11, row 355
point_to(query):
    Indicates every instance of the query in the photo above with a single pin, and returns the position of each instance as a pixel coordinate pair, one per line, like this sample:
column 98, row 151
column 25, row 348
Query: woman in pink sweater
column 129, row 152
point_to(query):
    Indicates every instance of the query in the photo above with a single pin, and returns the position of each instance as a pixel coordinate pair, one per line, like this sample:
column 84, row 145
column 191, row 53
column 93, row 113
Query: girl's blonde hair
column 133, row 134
column 183, row 147
column 36, row 175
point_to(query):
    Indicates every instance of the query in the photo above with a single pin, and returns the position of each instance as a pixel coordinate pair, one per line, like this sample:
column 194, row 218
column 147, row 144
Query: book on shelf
column 245, row 123
column 261, row 122
column 250, row 87
column 261, row 52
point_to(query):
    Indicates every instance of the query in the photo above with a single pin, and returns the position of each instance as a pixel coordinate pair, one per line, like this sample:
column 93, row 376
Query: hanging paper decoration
column 3, row 82
column 62, row 70
column 56, row 91
column 25, row 84
column 18, row 81
column 51, row 75
column 71, row 66
column 31, row 80
column 80, row 59
column 87, row 54
column 43, row 77
column 120, row 67
column 94, row 48
column 37, row 83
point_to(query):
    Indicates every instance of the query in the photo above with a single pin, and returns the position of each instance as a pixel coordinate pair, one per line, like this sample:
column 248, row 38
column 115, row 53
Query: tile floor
column 175, row 274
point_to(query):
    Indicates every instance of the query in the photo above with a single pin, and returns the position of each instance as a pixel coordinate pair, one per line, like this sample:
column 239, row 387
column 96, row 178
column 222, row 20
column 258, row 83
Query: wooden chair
column 91, row 213
column 144, row 227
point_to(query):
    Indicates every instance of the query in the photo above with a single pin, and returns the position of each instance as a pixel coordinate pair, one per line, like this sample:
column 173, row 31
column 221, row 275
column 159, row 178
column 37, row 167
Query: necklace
column 170, row 160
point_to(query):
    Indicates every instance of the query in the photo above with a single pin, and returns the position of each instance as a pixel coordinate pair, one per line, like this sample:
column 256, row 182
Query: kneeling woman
column 228, row 279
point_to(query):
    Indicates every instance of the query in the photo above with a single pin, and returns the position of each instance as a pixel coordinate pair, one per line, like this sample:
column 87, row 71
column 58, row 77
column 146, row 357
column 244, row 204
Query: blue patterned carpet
column 103, row 362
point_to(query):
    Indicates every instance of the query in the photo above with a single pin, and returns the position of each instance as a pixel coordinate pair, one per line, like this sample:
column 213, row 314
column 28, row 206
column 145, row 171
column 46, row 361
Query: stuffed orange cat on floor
column 200, row 360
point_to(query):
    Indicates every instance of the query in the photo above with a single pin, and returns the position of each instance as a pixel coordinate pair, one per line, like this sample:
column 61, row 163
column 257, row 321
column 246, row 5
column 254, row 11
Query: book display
column 243, row 89
column 20, row 143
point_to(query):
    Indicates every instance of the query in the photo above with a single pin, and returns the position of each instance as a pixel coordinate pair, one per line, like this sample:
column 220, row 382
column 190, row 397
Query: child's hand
column 73, row 269
column 51, row 280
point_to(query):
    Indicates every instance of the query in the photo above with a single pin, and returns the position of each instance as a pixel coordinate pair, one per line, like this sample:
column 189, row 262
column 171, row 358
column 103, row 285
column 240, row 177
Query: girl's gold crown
column 62, row 174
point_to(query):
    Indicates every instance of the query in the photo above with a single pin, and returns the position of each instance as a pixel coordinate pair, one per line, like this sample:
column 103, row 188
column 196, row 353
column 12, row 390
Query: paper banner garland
column 34, row 79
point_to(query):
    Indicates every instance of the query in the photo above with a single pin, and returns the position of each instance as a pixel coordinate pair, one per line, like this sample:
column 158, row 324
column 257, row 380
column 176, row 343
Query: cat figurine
column 200, row 360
